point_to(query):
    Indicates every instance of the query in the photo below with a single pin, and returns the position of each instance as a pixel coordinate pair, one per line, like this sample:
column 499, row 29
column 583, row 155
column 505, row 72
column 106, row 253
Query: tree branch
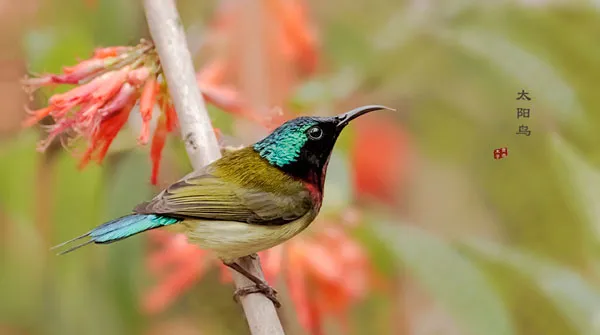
column 200, row 141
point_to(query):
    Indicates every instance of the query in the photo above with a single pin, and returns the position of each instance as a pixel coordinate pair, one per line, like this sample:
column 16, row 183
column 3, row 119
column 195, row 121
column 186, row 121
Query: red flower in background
column 282, row 42
column 325, row 270
column 378, row 158
column 298, row 40
column 177, row 264
column 326, row 274
column 108, row 86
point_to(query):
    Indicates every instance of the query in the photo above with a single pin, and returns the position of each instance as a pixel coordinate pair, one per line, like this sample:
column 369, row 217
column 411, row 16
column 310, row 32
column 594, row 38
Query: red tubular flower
column 110, row 52
column 107, row 87
column 294, row 43
column 299, row 39
column 379, row 158
column 125, row 95
column 73, row 74
column 36, row 116
column 138, row 76
column 103, row 135
column 158, row 143
column 147, row 102
column 335, row 272
column 112, row 84
column 187, row 261
column 326, row 272
column 222, row 96
column 171, row 117
column 212, row 74
column 271, row 260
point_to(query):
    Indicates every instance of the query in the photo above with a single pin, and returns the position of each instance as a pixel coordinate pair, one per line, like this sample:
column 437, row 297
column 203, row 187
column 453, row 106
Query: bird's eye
column 315, row 133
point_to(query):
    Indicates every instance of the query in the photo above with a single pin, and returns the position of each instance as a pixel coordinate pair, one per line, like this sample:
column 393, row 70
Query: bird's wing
column 206, row 196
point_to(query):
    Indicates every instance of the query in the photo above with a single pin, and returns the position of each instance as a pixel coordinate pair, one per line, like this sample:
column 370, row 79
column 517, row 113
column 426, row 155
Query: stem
column 200, row 141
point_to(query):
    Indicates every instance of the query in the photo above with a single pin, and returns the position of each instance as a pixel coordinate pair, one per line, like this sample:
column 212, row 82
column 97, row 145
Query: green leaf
column 582, row 182
column 380, row 254
column 127, row 184
column 568, row 291
column 535, row 75
column 49, row 49
column 450, row 278
column 402, row 26
column 18, row 175
column 77, row 209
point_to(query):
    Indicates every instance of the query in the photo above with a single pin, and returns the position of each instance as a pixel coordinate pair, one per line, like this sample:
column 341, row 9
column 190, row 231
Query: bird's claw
column 265, row 289
column 253, row 256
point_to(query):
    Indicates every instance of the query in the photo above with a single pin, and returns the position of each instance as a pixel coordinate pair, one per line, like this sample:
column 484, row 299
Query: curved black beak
column 344, row 119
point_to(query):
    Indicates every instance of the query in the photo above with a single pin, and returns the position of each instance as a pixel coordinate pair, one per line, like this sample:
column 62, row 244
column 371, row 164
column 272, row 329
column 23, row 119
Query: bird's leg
column 260, row 287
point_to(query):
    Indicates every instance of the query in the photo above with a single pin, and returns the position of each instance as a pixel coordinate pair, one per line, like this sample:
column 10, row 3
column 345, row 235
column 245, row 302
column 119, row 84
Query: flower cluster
column 289, row 48
column 177, row 265
column 325, row 271
column 108, row 87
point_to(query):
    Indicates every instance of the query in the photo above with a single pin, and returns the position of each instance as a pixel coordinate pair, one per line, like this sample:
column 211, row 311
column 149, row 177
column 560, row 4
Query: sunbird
column 247, row 201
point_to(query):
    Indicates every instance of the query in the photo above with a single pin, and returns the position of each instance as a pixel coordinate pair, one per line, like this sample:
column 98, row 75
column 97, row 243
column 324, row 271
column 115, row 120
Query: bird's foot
column 253, row 256
column 265, row 289
column 260, row 285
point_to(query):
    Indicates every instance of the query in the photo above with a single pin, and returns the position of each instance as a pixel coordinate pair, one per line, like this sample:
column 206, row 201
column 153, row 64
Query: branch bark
column 200, row 141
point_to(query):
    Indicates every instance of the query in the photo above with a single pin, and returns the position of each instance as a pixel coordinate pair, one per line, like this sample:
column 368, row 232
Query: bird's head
column 302, row 146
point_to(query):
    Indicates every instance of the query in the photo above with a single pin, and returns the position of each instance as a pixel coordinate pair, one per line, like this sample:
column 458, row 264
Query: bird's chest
column 232, row 239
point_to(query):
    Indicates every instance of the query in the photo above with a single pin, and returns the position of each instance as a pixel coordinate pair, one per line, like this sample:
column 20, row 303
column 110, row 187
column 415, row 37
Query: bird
column 249, row 200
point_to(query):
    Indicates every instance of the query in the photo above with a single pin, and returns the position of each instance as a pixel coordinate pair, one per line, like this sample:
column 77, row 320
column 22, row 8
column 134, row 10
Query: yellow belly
column 231, row 240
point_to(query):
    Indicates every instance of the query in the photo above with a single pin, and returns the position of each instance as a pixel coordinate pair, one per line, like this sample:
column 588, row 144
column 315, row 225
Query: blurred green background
column 471, row 245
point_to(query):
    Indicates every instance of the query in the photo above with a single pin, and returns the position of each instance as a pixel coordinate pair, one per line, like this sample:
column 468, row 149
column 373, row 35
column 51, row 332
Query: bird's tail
column 119, row 229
